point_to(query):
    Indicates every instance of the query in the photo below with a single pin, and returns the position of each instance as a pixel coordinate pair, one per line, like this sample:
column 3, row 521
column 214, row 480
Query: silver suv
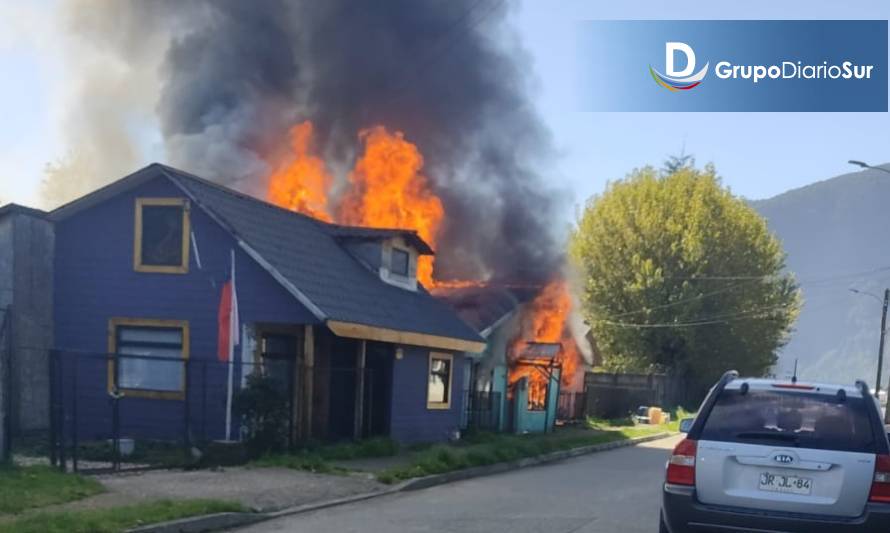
column 766, row 455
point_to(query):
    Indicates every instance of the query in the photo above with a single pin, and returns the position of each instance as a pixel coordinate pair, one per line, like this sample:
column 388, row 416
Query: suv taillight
column 681, row 465
column 880, row 486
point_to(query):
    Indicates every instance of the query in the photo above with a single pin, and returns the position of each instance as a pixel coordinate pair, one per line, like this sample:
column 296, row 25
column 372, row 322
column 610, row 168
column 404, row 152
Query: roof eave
column 363, row 331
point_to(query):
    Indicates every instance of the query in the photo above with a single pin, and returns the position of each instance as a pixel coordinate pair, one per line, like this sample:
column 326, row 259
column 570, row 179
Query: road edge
column 218, row 521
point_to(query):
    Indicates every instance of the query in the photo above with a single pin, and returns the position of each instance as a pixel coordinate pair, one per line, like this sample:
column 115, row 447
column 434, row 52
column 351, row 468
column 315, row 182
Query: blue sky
column 758, row 154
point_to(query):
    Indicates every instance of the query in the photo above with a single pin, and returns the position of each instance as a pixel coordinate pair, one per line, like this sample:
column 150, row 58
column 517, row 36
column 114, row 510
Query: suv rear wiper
column 768, row 435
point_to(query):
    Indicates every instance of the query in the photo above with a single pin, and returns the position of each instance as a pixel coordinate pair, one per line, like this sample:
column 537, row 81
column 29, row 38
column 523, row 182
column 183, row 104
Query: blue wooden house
column 138, row 270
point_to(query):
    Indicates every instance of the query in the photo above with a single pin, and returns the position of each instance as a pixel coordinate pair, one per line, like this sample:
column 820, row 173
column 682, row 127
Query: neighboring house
column 139, row 268
column 26, row 329
column 493, row 402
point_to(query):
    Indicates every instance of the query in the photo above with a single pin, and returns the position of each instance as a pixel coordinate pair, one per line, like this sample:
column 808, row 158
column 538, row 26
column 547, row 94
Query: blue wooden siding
column 411, row 421
column 95, row 281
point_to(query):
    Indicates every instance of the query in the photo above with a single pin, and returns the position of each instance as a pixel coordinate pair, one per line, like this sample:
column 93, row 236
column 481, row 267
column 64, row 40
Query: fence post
column 53, row 406
column 74, row 425
column 61, row 414
column 115, row 413
column 291, row 388
column 204, row 401
column 187, row 413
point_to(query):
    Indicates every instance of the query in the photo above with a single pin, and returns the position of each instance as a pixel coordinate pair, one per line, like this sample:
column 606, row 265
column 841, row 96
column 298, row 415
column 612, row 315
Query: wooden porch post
column 359, row 389
column 308, row 379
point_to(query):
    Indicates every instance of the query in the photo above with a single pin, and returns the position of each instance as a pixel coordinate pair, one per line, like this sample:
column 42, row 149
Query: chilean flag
column 229, row 327
column 227, row 318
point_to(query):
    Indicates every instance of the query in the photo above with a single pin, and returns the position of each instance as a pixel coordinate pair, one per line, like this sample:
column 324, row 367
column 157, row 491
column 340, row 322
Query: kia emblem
column 784, row 459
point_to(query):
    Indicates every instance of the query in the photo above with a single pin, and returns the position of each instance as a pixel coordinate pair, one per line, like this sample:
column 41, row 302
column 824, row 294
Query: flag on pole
column 229, row 328
column 227, row 318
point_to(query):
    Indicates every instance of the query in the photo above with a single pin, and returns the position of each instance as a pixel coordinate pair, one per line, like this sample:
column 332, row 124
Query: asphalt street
column 613, row 491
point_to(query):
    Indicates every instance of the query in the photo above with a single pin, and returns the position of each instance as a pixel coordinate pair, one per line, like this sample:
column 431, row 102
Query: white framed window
column 441, row 369
column 399, row 262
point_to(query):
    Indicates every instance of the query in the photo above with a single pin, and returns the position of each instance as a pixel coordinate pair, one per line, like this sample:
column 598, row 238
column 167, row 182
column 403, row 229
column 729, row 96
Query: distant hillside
column 831, row 230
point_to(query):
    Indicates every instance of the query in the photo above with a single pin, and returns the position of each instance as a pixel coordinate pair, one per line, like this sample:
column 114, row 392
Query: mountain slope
column 837, row 236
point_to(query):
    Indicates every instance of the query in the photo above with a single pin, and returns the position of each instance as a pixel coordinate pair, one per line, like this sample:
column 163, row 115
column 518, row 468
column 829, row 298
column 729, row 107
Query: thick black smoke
column 449, row 74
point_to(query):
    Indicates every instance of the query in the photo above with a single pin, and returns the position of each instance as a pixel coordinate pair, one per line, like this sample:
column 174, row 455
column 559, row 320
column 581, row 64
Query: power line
column 683, row 301
column 764, row 312
column 745, row 280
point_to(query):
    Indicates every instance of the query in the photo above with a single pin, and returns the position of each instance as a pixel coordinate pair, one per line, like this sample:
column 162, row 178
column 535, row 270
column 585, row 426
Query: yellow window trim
column 137, row 239
column 114, row 323
column 440, row 405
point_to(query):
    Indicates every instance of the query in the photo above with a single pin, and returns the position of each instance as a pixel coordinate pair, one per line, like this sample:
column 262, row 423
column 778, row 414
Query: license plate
column 787, row 484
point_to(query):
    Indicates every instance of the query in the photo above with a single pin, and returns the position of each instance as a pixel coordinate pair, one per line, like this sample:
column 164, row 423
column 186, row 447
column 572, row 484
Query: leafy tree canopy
column 680, row 275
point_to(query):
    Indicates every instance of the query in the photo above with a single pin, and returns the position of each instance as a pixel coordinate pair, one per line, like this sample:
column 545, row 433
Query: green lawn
column 489, row 448
column 316, row 459
column 23, row 488
column 114, row 519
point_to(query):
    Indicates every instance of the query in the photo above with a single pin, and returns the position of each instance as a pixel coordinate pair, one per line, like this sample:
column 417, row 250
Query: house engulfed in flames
column 532, row 354
column 532, row 360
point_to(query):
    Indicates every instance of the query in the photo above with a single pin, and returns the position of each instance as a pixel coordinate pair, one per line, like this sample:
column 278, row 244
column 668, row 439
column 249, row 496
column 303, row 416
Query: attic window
column 398, row 262
column 161, row 241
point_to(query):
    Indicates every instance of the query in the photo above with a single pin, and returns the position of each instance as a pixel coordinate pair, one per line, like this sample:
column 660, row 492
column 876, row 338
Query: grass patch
column 479, row 449
column 115, row 519
column 375, row 447
column 317, row 459
column 23, row 488
column 677, row 415
column 308, row 462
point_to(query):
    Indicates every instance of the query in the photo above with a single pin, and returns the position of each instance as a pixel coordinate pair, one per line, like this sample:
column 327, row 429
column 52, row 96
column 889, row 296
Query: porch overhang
column 372, row 333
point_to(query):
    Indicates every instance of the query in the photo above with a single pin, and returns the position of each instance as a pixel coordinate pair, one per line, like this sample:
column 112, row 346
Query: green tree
column 678, row 274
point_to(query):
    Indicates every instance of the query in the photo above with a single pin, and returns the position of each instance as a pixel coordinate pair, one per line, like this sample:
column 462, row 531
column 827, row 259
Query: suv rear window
column 802, row 420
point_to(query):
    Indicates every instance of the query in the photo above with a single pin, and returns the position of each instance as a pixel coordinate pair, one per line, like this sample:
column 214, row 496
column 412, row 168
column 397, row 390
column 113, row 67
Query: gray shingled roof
column 484, row 307
column 307, row 254
column 354, row 232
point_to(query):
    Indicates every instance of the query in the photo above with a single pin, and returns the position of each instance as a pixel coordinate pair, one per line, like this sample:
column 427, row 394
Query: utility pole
column 881, row 350
column 881, row 344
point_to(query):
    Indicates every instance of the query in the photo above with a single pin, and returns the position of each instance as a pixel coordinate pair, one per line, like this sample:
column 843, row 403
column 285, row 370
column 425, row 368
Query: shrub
column 263, row 407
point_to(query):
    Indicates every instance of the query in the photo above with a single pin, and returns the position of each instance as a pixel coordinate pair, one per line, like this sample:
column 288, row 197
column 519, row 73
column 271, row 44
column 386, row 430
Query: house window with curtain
column 439, row 385
column 149, row 357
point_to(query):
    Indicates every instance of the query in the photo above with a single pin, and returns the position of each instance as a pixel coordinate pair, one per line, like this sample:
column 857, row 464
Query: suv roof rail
column 728, row 376
column 863, row 388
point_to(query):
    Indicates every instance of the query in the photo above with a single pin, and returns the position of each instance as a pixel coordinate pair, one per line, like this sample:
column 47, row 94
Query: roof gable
column 306, row 257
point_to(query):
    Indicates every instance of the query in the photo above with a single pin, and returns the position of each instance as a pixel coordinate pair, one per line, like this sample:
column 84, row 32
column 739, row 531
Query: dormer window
column 399, row 262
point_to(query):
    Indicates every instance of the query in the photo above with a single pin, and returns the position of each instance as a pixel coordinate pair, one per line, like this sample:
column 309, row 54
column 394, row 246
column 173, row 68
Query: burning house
column 146, row 269
column 532, row 356
column 380, row 132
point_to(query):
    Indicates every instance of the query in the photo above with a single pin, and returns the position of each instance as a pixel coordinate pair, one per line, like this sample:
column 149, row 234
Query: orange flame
column 301, row 183
column 545, row 319
column 389, row 191
column 387, row 188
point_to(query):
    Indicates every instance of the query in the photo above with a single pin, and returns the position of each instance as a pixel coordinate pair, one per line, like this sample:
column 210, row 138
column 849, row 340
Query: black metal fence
column 115, row 412
column 571, row 406
column 483, row 411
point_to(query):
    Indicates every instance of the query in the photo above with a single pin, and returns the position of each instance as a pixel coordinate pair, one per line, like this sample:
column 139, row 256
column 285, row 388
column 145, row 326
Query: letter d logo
column 678, row 80
column 669, row 51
